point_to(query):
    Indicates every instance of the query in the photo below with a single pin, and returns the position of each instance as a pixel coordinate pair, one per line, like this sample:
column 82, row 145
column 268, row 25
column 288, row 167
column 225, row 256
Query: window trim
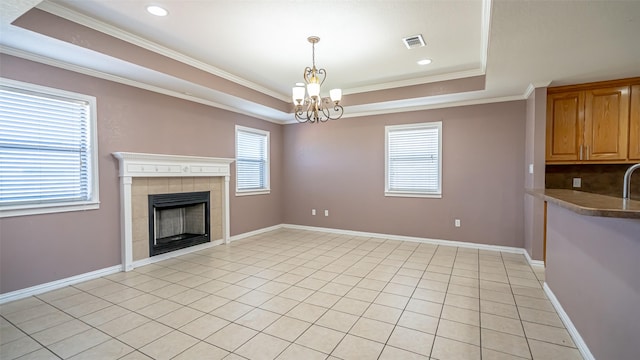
column 417, row 194
column 57, row 207
column 267, row 189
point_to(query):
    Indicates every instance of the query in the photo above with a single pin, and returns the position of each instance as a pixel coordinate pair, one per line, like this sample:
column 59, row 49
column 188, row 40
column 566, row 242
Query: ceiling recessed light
column 424, row 62
column 157, row 10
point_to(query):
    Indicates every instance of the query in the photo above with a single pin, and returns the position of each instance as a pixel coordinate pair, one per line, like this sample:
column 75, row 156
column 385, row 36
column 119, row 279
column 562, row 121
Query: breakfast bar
column 593, row 268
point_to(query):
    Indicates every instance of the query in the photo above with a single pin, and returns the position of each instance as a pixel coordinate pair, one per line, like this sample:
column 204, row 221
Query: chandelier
column 314, row 108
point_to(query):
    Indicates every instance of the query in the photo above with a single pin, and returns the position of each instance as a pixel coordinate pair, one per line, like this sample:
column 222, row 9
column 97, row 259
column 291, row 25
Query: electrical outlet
column 577, row 182
column 326, row 213
column 313, row 212
column 530, row 168
column 457, row 222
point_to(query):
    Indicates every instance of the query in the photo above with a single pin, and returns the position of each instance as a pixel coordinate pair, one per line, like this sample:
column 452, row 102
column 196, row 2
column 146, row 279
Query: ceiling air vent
column 413, row 42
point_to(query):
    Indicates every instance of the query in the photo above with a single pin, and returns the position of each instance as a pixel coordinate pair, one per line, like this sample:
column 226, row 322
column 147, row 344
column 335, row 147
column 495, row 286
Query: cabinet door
column 606, row 123
column 564, row 126
column 634, row 124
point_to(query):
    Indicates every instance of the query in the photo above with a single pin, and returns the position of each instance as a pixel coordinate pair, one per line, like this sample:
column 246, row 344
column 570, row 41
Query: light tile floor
column 293, row 294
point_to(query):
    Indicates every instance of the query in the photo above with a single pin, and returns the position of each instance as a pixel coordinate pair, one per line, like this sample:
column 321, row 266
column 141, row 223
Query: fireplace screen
column 178, row 221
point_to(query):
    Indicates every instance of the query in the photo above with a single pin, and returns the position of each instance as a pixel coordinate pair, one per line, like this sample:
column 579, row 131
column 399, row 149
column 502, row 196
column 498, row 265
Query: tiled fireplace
column 158, row 175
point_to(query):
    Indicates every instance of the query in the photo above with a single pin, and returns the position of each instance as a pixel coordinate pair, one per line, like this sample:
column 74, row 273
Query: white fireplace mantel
column 161, row 165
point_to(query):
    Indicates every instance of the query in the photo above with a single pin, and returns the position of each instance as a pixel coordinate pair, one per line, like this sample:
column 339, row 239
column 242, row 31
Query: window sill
column 25, row 210
column 412, row 194
column 253, row 192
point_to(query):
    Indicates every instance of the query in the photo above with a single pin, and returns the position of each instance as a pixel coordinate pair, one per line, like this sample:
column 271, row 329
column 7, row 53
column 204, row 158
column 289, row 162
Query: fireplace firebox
column 178, row 220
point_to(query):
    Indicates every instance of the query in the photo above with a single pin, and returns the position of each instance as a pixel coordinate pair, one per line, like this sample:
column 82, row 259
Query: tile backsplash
column 596, row 178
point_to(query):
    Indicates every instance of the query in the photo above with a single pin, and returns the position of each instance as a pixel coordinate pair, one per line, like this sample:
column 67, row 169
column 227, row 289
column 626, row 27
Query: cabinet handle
column 587, row 152
column 580, row 151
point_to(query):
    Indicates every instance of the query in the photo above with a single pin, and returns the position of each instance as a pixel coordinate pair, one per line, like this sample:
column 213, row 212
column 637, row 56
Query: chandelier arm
column 307, row 74
column 334, row 113
column 299, row 114
column 326, row 112
column 301, row 111
column 322, row 72
column 339, row 111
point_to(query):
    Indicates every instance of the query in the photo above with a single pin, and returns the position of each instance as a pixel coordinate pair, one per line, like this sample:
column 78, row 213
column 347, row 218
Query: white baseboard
column 57, row 284
column 536, row 263
column 575, row 335
column 463, row 244
column 256, row 232
column 38, row 289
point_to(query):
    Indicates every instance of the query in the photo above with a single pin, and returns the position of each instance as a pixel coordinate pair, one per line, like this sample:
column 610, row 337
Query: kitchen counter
column 589, row 204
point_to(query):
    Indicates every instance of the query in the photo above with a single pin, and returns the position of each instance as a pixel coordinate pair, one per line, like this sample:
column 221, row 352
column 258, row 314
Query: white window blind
column 252, row 160
column 46, row 148
column 413, row 160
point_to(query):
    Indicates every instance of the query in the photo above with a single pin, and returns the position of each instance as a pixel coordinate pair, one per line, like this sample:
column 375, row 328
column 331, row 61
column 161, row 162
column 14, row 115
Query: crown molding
column 117, row 33
column 443, row 105
column 533, row 86
column 11, row 10
column 278, row 116
column 485, row 32
column 415, row 81
column 279, row 119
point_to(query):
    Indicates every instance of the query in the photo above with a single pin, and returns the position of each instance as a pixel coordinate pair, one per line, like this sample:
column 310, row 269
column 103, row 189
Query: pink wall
column 535, row 138
column 339, row 166
column 592, row 269
column 42, row 248
column 535, row 154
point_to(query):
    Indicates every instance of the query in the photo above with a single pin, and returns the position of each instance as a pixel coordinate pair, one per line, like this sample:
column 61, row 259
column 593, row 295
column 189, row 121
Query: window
column 252, row 161
column 48, row 154
column 414, row 160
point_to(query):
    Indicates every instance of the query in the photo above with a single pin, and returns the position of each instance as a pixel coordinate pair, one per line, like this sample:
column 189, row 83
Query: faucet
column 627, row 181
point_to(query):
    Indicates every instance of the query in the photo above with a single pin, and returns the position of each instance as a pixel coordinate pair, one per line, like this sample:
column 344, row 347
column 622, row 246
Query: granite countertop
column 590, row 204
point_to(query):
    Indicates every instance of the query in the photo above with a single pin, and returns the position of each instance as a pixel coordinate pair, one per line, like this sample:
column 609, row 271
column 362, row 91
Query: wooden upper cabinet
column 606, row 123
column 594, row 123
column 564, row 126
column 634, row 124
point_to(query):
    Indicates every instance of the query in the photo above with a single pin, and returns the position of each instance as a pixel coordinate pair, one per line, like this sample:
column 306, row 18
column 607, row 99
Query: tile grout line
column 442, row 309
column 314, row 323
column 480, row 307
column 516, row 305
column 407, row 304
column 356, row 251
column 365, row 310
column 42, row 346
